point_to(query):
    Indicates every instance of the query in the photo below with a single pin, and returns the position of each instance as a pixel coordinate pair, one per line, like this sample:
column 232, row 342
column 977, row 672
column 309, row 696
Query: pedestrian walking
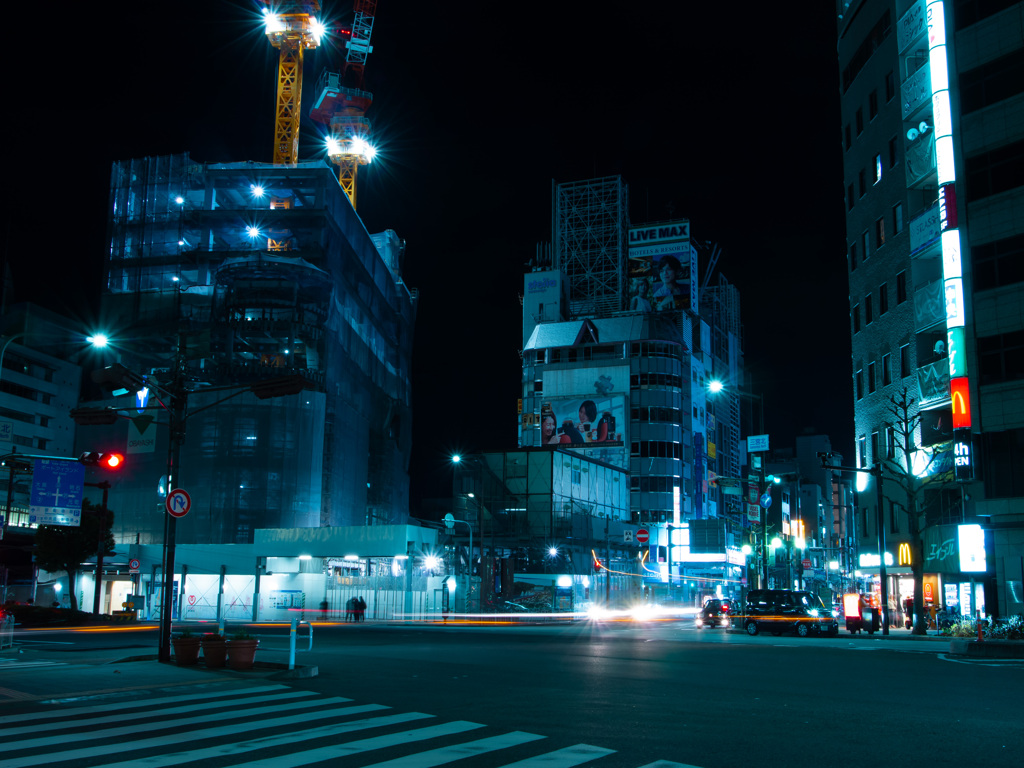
column 360, row 609
column 350, row 609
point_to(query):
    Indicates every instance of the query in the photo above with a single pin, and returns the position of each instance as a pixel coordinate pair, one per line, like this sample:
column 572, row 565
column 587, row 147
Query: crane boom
column 291, row 26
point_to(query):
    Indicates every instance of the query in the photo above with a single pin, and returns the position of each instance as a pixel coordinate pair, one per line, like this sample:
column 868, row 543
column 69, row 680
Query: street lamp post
column 875, row 471
column 450, row 522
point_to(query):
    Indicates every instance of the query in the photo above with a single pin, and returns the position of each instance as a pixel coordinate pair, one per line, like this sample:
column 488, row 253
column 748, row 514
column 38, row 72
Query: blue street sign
column 766, row 499
column 56, row 497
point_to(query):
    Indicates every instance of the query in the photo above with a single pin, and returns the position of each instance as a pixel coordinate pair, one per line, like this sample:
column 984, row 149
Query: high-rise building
column 616, row 357
column 931, row 94
column 243, row 272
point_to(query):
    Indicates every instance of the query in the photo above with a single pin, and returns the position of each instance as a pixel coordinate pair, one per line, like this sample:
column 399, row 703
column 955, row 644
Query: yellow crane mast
column 292, row 26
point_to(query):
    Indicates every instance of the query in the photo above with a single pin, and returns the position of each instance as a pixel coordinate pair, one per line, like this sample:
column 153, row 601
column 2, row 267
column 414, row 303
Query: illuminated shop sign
column 947, row 207
column 963, row 455
column 972, row 549
column 955, row 348
column 903, row 554
column 868, row 560
column 960, row 395
column 954, row 302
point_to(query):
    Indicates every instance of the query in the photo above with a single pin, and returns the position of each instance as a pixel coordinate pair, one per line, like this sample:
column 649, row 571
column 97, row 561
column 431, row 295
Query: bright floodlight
column 363, row 148
column 715, row 386
column 179, row 199
column 456, row 459
column 553, row 551
column 430, row 562
column 257, row 190
column 333, row 146
column 99, row 341
column 252, row 232
column 318, row 30
column 801, row 542
column 273, row 22
column 745, row 549
column 776, row 543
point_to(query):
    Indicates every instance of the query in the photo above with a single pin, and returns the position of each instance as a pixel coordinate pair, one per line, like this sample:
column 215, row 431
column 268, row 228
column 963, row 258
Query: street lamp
column 714, row 387
column 875, row 471
column 449, row 523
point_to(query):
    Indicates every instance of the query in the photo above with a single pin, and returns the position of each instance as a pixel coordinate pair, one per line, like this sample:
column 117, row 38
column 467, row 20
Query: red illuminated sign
column 947, row 207
column 960, row 394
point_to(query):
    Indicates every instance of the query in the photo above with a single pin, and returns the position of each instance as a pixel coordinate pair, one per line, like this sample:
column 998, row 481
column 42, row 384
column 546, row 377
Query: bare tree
column 898, row 467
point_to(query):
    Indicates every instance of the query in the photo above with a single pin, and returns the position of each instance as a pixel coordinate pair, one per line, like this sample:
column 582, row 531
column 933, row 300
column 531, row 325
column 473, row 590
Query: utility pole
column 98, row 587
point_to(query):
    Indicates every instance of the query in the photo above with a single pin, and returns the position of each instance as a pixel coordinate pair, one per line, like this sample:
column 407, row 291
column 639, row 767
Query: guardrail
column 7, row 632
column 292, row 636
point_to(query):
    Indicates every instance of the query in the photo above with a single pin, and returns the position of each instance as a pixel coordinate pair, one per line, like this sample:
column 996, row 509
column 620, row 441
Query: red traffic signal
column 102, row 460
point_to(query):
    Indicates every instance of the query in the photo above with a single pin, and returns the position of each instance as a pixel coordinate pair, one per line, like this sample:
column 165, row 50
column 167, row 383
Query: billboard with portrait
column 586, row 409
column 662, row 268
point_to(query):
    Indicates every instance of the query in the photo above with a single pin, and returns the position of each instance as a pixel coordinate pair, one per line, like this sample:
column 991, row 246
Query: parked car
column 787, row 610
column 715, row 613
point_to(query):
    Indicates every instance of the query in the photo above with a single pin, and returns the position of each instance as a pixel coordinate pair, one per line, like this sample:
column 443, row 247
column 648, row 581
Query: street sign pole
column 177, row 435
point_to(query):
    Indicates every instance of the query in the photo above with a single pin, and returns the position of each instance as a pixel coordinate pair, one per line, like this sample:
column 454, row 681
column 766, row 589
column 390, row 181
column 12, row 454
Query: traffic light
column 112, row 461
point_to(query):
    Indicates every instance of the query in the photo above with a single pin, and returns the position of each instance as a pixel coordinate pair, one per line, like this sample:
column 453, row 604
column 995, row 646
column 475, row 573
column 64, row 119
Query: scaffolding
column 590, row 225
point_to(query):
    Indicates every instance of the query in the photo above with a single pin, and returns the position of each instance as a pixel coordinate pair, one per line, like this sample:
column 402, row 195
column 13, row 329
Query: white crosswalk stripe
column 253, row 727
column 29, row 664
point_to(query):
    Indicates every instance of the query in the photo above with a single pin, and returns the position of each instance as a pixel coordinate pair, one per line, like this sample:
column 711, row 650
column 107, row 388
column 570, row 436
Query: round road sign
column 134, row 564
column 178, row 503
column 642, row 536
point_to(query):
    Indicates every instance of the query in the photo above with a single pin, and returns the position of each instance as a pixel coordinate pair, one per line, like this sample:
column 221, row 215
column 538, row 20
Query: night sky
column 723, row 115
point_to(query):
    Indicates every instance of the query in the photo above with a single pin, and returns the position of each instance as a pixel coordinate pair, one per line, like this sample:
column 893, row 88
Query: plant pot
column 215, row 651
column 241, row 653
column 186, row 651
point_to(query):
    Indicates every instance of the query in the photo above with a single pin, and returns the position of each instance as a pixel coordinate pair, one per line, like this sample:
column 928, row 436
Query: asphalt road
column 666, row 692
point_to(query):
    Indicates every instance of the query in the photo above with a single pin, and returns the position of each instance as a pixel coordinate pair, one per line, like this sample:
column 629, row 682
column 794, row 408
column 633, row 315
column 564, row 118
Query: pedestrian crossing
column 270, row 726
column 7, row 662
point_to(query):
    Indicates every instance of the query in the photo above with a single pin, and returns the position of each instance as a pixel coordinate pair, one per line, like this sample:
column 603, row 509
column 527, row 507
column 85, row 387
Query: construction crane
column 341, row 103
column 291, row 26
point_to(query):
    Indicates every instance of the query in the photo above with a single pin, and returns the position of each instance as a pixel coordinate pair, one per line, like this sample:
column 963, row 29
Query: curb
column 987, row 649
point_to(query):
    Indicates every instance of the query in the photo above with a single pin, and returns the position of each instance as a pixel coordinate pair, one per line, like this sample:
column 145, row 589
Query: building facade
column 932, row 93
column 230, row 274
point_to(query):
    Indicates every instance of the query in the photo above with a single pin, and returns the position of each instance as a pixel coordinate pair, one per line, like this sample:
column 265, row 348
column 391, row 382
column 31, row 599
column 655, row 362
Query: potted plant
column 241, row 650
column 186, row 648
column 215, row 652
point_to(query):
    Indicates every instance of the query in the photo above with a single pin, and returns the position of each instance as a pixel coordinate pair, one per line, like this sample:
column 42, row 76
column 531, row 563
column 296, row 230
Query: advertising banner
column 588, row 410
column 662, row 268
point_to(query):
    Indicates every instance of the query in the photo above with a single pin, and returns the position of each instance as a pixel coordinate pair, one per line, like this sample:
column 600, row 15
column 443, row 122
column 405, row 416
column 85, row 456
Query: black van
column 787, row 610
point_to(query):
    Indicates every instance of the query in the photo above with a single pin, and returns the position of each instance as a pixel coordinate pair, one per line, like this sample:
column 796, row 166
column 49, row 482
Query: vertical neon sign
column 952, row 268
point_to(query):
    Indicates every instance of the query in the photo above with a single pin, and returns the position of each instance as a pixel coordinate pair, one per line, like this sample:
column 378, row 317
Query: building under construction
column 244, row 272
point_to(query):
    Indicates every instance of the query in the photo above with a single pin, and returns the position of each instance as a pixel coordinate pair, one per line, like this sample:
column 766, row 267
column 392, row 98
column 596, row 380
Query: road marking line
column 123, row 705
column 356, row 747
column 220, row 750
column 14, row 695
column 563, row 758
column 159, row 725
column 123, row 718
column 668, row 764
column 443, row 755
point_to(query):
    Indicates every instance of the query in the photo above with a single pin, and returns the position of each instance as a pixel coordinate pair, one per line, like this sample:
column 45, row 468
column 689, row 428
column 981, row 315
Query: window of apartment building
column 856, row 318
column 883, row 299
column 993, row 82
column 862, row 451
column 538, row 385
column 862, row 185
column 858, row 384
column 998, row 263
column 873, row 105
column 848, row 136
column 875, row 455
column 886, row 370
column 853, row 256
column 904, row 361
column 850, row 199
column 864, row 524
column 865, row 241
column 879, row 233
column 970, row 12
column 893, row 149
column 867, row 310
column 890, row 443
column 871, row 379
column 897, row 218
column 901, row 287
column 890, row 86
column 998, row 170
column 1001, row 357
column 878, row 168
